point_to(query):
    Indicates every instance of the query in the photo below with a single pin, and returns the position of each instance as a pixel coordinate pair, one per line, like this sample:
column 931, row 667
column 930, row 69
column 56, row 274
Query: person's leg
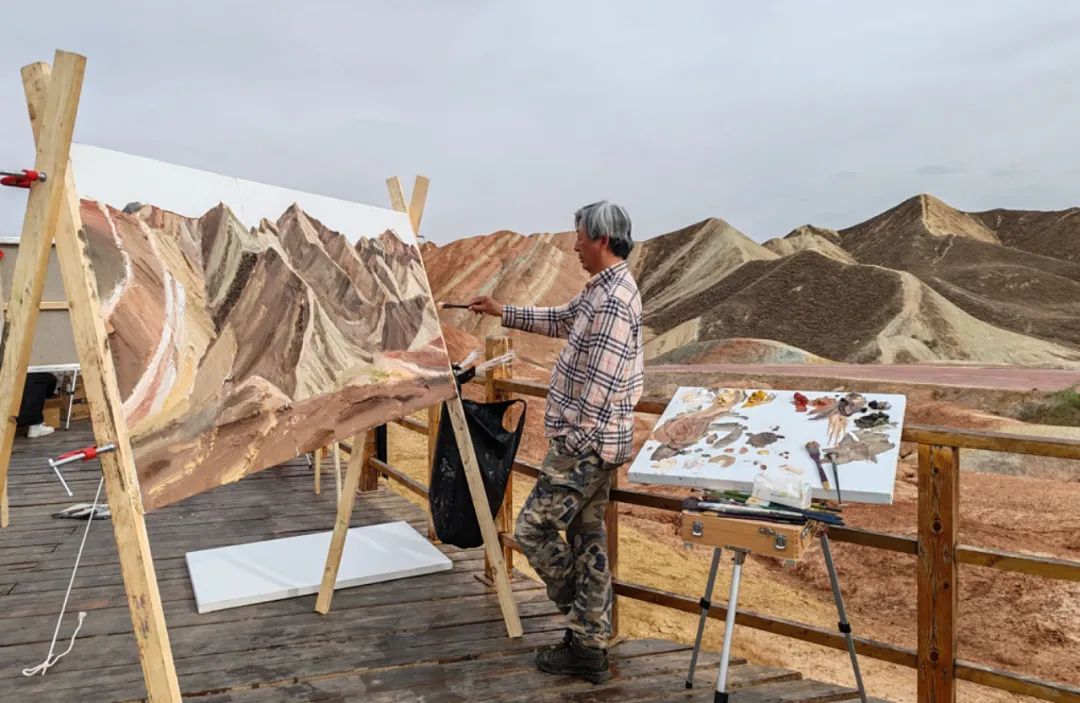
column 590, row 614
column 35, row 392
column 565, row 486
column 551, row 507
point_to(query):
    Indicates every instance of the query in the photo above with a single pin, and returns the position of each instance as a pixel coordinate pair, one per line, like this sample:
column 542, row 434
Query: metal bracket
column 779, row 540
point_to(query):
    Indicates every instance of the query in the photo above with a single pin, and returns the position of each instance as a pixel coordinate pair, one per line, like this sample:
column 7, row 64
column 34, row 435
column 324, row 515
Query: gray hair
column 606, row 219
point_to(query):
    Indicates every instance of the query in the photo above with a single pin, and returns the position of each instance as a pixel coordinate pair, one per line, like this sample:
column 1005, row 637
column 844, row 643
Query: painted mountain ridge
column 256, row 342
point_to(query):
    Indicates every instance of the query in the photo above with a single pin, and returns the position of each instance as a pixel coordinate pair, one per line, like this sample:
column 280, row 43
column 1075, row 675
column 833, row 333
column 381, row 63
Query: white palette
column 245, row 574
column 860, row 481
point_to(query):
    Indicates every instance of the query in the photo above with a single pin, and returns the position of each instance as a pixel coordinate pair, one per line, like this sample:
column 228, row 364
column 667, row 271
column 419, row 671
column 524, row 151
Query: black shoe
column 573, row 659
column 567, row 639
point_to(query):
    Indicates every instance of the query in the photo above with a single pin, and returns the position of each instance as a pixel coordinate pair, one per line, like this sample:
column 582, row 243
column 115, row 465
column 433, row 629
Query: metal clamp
column 779, row 540
column 697, row 529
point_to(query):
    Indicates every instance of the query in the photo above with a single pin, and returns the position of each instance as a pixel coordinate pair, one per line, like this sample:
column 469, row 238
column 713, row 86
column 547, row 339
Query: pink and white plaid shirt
column 598, row 377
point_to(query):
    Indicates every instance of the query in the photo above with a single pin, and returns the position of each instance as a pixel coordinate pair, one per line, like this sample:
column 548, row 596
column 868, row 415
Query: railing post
column 939, row 508
column 369, row 476
column 504, row 521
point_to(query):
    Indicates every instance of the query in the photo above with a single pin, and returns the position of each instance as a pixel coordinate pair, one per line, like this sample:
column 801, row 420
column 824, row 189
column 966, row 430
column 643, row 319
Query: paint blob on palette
column 721, row 438
column 249, row 324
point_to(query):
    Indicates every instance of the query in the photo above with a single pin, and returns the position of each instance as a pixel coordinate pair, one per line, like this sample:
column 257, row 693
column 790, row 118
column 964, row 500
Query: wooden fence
column 936, row 547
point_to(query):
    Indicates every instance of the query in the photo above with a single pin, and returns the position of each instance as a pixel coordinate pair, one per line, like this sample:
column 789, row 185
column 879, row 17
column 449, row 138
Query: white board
column 257, row 572
column 693, row 463
column 117, row 178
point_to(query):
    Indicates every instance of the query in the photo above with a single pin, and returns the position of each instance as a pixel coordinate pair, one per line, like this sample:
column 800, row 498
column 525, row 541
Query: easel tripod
column 740, row 551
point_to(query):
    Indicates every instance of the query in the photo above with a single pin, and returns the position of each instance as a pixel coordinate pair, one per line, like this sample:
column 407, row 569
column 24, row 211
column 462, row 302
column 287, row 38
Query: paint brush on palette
column 814, row 450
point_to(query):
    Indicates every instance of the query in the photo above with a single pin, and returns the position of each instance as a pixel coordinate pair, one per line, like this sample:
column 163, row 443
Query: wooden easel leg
column 341, row 525
column 483, row 517
column 43, row 207
column 337, row 470
column 59, row 93
column 318, row 470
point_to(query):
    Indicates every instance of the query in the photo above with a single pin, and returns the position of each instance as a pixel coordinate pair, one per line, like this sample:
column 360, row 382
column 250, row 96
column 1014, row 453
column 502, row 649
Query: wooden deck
column 437, row 638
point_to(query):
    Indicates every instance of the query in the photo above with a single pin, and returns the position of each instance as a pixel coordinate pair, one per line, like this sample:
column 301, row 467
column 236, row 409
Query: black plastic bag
column 451, row 504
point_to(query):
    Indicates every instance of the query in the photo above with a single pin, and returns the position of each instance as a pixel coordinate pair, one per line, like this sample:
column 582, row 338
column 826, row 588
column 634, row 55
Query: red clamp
column 86, row 454
column 23, row 179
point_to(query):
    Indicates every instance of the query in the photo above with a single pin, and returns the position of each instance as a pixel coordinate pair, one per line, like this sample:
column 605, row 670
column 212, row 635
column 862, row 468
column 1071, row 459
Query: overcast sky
column 769, row 114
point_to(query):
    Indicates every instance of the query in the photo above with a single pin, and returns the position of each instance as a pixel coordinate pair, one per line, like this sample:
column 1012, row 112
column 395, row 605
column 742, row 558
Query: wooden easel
column 52, row 210
column 492, row 549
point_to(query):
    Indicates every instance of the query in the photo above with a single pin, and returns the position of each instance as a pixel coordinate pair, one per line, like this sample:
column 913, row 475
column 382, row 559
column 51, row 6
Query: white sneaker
column 41, row 430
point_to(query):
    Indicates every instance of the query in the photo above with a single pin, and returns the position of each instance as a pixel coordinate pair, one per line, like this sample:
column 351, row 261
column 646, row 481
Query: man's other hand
column 485, row 305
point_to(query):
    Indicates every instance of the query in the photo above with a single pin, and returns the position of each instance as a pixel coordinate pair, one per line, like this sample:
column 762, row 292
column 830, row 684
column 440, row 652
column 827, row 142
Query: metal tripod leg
column 721, row 695
column 71, row 398
column 844, row 627
column 706, row 603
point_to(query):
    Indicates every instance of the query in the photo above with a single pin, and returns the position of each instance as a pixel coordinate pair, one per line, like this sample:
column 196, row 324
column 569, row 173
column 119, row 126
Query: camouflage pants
column 572, row 495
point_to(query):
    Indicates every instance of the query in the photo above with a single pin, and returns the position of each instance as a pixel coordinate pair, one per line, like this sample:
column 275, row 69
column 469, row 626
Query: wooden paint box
column 776, row 539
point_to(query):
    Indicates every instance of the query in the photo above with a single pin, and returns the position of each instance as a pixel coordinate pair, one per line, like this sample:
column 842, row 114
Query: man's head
column 603, row 235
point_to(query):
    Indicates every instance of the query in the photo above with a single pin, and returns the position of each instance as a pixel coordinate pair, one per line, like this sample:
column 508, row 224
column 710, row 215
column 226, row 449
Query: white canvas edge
column 117, row 178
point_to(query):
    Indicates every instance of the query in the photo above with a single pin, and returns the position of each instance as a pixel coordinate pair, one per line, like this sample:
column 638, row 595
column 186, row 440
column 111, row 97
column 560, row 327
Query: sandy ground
column 1008, row 621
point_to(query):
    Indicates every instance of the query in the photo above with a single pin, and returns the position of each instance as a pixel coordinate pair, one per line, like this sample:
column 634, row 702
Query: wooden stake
column 495, row 347
column 419, row 198
column 337, row 470
column 483, row 517
column 341, row 525
column 397, row 195
column 434, row 416
column 318, row 469
column 939, row 507
column 52, row 129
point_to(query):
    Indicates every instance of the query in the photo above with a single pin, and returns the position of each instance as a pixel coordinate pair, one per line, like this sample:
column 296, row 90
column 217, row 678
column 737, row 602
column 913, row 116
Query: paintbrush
column 462, row 306
column 836, row 475
column 814, row 450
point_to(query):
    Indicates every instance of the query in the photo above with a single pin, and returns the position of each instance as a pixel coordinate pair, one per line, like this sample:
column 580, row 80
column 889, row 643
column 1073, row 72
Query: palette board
column 721, row 438
column 258, row 572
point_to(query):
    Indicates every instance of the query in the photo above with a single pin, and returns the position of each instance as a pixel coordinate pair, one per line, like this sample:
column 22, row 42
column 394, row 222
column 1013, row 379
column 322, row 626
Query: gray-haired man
column 589, row 419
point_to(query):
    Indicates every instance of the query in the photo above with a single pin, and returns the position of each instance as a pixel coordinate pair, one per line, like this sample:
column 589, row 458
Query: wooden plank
column 317, row 469
column 46, row 304
column 52, row 117
column 483, row 516
column 397, row 194
column 778, row 626
column 99, row 378
column 345, row 506
column 1047, row 567
column 494, row 347
column 401, row 477
column 419, row 199
column 412, row 425
column 939, row 502
column 1017, row 683
column 433, row 418
column 803, row 691
column 992, row 441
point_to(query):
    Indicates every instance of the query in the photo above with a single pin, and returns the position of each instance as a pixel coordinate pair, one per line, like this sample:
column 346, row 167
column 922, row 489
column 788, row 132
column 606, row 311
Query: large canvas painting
column 721, row 438
column 249, row 324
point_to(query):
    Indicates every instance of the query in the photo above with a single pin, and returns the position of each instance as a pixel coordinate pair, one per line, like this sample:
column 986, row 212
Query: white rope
column 50, row 660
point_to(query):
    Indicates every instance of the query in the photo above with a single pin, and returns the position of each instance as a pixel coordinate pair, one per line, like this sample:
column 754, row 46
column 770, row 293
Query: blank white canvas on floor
column 244, row 574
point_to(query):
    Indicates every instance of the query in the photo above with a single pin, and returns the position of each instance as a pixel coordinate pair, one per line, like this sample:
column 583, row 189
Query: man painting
column 589, row 421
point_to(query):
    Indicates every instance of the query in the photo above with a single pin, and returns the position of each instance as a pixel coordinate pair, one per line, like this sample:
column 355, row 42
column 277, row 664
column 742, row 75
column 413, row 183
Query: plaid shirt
column 598, row 377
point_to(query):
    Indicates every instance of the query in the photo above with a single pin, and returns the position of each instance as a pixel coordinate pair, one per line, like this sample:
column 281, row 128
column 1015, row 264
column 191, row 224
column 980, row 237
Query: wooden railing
column 936, row 547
